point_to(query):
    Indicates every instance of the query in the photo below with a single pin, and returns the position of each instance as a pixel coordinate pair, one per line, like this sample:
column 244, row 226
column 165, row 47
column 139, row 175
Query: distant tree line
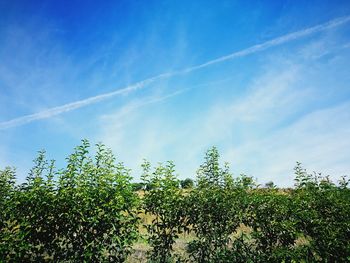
column 187, row 183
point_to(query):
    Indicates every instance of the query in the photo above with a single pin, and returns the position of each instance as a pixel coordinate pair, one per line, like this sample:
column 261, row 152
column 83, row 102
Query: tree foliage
column 187, row 183
column 165, row 202
column 89, row 211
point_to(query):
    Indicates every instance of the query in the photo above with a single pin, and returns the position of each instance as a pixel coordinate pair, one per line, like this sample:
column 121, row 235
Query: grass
column 141, row 247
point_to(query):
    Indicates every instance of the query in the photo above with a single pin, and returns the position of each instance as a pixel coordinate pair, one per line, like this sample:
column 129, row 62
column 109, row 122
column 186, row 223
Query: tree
column 187, row 183
column 270, row 185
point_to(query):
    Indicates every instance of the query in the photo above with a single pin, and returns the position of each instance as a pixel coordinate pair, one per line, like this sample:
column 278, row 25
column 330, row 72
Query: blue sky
column 267, row 82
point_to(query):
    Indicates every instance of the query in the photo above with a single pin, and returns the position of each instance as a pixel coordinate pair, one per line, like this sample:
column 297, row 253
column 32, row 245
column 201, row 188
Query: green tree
column 187, row 183
column 212, row 210
column 164, row 201
column 88, row 214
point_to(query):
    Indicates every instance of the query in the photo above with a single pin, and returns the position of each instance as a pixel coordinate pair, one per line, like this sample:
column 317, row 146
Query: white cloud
column 280, row 119
column 251, row 50
column 70, row 106
column 156, row 137
column 319, row 140
column 275, row 42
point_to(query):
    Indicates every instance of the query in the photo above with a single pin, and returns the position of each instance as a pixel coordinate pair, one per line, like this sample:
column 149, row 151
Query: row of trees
column 90, row 211
column 187, row 183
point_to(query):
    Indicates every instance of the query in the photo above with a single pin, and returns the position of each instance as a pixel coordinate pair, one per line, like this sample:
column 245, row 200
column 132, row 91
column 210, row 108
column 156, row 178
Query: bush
column 212, row 212
column 88, row 211
column 87, row 214
column 165, row 202
column 323, row 214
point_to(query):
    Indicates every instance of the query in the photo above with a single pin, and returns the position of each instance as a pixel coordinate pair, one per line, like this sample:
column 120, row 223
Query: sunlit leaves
column 89, row 212
column 85, row 212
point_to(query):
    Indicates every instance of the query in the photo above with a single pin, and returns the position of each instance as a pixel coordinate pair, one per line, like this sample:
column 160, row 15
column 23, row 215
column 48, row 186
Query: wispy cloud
column 191, row 137
column 286, row 114
column 312, row 140
column 72, row 106
column 139, row 85
column 274, row 42
column 139, row 103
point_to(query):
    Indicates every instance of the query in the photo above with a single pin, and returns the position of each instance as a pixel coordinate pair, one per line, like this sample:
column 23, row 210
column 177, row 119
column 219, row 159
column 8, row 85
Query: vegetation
column 88, row 213
column 92, row 211
column 187, row 183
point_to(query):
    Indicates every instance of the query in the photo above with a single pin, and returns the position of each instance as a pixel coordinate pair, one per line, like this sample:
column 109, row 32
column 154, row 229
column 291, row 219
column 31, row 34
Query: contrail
column 271, row 43
column 77, row 104
column 141, row 84
column 146, row 101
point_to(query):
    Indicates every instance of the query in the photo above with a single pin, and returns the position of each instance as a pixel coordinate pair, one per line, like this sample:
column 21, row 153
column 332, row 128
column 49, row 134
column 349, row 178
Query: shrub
column 164, row 201
column 88, row 211
column 323, row 214
column 212, row 212
column 87, row 214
